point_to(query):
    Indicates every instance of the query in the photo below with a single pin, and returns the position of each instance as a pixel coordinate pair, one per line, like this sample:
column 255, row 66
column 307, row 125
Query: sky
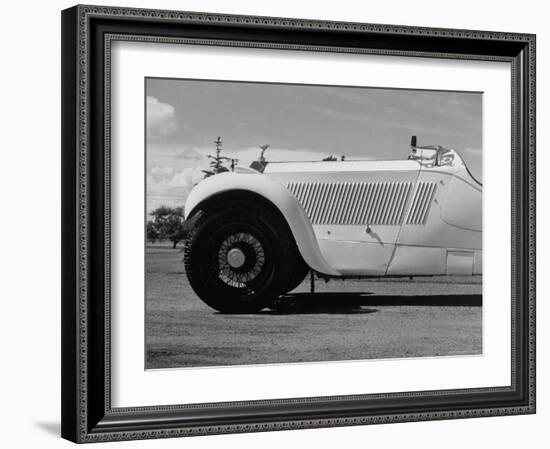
column 299, row 122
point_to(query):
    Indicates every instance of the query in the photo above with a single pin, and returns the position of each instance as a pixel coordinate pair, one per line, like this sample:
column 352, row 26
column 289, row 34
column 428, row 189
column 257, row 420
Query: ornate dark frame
column 87, row 32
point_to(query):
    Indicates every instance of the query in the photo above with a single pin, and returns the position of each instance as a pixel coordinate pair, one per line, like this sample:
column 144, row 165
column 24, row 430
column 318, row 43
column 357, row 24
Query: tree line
column 167, row 223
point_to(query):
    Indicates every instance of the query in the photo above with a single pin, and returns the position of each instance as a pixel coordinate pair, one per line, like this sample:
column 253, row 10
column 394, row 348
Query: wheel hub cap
column 241, row 258
column 235, row 258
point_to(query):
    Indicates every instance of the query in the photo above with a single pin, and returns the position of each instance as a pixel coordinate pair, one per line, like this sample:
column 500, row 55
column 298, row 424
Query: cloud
column 172, row 187
column 189, row 154
column 161, row 119
column 159, row 174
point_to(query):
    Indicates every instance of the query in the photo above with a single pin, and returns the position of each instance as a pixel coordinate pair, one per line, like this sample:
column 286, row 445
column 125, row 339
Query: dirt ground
column 343, row 320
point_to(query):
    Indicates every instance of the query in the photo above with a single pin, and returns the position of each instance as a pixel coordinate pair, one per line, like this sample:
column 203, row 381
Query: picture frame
column 87, row 35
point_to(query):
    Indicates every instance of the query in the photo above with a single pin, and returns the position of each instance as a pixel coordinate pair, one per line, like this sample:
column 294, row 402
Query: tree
column 217, row 162
column 168, row 223
column 330, row 158
column 152, row 232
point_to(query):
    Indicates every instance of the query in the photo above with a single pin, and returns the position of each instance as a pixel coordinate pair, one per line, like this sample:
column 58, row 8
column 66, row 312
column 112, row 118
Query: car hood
column 341, row 166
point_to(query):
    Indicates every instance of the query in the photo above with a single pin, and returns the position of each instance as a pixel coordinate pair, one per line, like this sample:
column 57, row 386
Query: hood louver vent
column 421, row 203
column 353, row 203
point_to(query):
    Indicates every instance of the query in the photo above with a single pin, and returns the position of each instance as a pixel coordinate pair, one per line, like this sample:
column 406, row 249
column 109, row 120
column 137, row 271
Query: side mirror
column 413, row 141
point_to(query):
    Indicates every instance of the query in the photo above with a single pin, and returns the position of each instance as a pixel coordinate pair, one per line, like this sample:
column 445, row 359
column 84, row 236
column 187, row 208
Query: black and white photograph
column 296, row 223
column 289, row 220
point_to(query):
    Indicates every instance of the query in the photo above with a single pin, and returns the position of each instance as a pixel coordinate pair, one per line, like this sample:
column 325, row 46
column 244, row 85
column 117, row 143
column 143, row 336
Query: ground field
column 343, row 320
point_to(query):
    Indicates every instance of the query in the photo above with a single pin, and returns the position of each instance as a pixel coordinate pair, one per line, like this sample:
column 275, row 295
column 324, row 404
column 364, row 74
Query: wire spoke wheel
column 238, row 259
column 241, row 258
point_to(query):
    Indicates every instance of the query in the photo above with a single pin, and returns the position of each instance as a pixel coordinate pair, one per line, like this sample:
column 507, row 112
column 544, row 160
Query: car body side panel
column 462, row 207
column 280, row 197
column 432, row 231
column 416, row 260
column 444, row 236
column 344, row 203
column 356, row 215
column 460, row 262
column 355, row 258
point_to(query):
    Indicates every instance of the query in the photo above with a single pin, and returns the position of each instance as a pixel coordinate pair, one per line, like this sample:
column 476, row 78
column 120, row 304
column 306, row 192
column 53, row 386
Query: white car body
column 413, row 217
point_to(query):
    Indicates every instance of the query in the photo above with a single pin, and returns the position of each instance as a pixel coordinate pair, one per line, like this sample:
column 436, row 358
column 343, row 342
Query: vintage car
column 255, row 236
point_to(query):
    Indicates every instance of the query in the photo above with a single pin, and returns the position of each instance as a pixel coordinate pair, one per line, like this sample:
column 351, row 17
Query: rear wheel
column 237, row 259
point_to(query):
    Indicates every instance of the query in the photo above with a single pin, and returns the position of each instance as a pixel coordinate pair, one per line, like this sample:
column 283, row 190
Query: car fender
column 279, row 196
